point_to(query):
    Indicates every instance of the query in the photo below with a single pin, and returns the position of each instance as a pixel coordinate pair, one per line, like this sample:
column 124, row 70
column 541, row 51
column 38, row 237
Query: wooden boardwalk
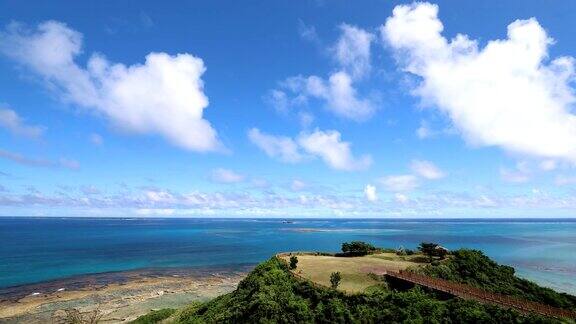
column 479, row 295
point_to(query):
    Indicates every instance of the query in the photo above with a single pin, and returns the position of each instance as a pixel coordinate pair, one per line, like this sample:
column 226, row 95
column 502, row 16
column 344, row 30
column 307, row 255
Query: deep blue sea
column 40, row 249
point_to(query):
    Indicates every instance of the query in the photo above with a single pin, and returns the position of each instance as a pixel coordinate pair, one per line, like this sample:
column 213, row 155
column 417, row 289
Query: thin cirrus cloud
column 298, row 185
column 96, row 139
column 281, row 147
column 326, row 145
column 427, row 170
column 521, row 173
column 400, row 183
column 160, row 201
column 514, row 176
column 226, row 176
column 21, row 159
column 163, row 96
column 338, row 92
column 497, row 95
column 12, row 122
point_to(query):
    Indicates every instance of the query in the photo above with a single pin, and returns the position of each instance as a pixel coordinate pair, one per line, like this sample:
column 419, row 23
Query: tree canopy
column 358, row 248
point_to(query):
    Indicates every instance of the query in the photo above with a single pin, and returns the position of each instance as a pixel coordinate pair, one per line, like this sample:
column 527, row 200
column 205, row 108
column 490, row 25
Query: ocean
column 34, row 250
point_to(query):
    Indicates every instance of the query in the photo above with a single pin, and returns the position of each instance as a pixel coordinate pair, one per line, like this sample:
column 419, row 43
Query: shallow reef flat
column 118, row 297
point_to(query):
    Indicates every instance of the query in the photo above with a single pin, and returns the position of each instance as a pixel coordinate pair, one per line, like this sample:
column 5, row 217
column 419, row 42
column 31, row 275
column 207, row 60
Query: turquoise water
column 39, row 249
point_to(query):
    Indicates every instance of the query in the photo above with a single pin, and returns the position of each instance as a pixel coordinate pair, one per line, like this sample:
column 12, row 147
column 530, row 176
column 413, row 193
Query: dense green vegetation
column 474, row 268
column 293, row 262
column 154, row 316
column 432, row 250
column 358, row 248
column 270, row 294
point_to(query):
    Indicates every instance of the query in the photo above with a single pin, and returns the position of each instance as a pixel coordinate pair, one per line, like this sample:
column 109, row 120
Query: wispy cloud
column 352, row 51
column 20, row 159
column 298, row 185
column 10, row 120
column 398, row 183
column 308, row 32
column 226, row 176
column 352, row 54
column 96, row 139
column 521, row 173
column 157, row 201
column 427, row 170
column 281, row 147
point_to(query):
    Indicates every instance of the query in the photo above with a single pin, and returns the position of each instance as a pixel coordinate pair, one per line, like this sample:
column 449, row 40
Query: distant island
column 367, row 284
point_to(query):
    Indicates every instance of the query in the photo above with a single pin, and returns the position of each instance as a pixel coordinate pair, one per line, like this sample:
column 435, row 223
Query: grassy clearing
column 354, row 270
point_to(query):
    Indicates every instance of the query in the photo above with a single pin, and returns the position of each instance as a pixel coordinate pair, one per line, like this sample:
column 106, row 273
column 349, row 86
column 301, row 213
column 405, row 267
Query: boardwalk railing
column 473, row 293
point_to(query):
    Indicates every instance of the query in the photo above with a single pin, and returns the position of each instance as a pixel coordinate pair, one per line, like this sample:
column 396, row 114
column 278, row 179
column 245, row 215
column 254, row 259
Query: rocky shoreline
column 117, row 296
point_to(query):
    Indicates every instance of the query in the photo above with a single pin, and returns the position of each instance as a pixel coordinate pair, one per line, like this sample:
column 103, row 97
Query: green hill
column 272, row 294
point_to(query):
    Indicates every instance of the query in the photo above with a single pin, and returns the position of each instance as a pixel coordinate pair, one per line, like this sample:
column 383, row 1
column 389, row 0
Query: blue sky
column 287, row 109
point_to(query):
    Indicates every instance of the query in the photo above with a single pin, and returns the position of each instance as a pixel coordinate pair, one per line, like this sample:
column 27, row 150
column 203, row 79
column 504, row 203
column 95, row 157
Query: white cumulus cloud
column 163, row 96
column 336, row 153
column 508, row 93
column 327, row 145
column 370, row 193
column 337, row 92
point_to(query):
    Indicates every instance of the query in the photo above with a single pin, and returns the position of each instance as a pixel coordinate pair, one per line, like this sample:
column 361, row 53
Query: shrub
column 358, row 248
column 335, row 278
column 432, row 249
column 428, row 249
column 293, row 262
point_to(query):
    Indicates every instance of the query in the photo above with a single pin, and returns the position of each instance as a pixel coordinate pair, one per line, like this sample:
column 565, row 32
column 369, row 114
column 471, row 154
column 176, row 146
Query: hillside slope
column 270, row 294
column 474, row 268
